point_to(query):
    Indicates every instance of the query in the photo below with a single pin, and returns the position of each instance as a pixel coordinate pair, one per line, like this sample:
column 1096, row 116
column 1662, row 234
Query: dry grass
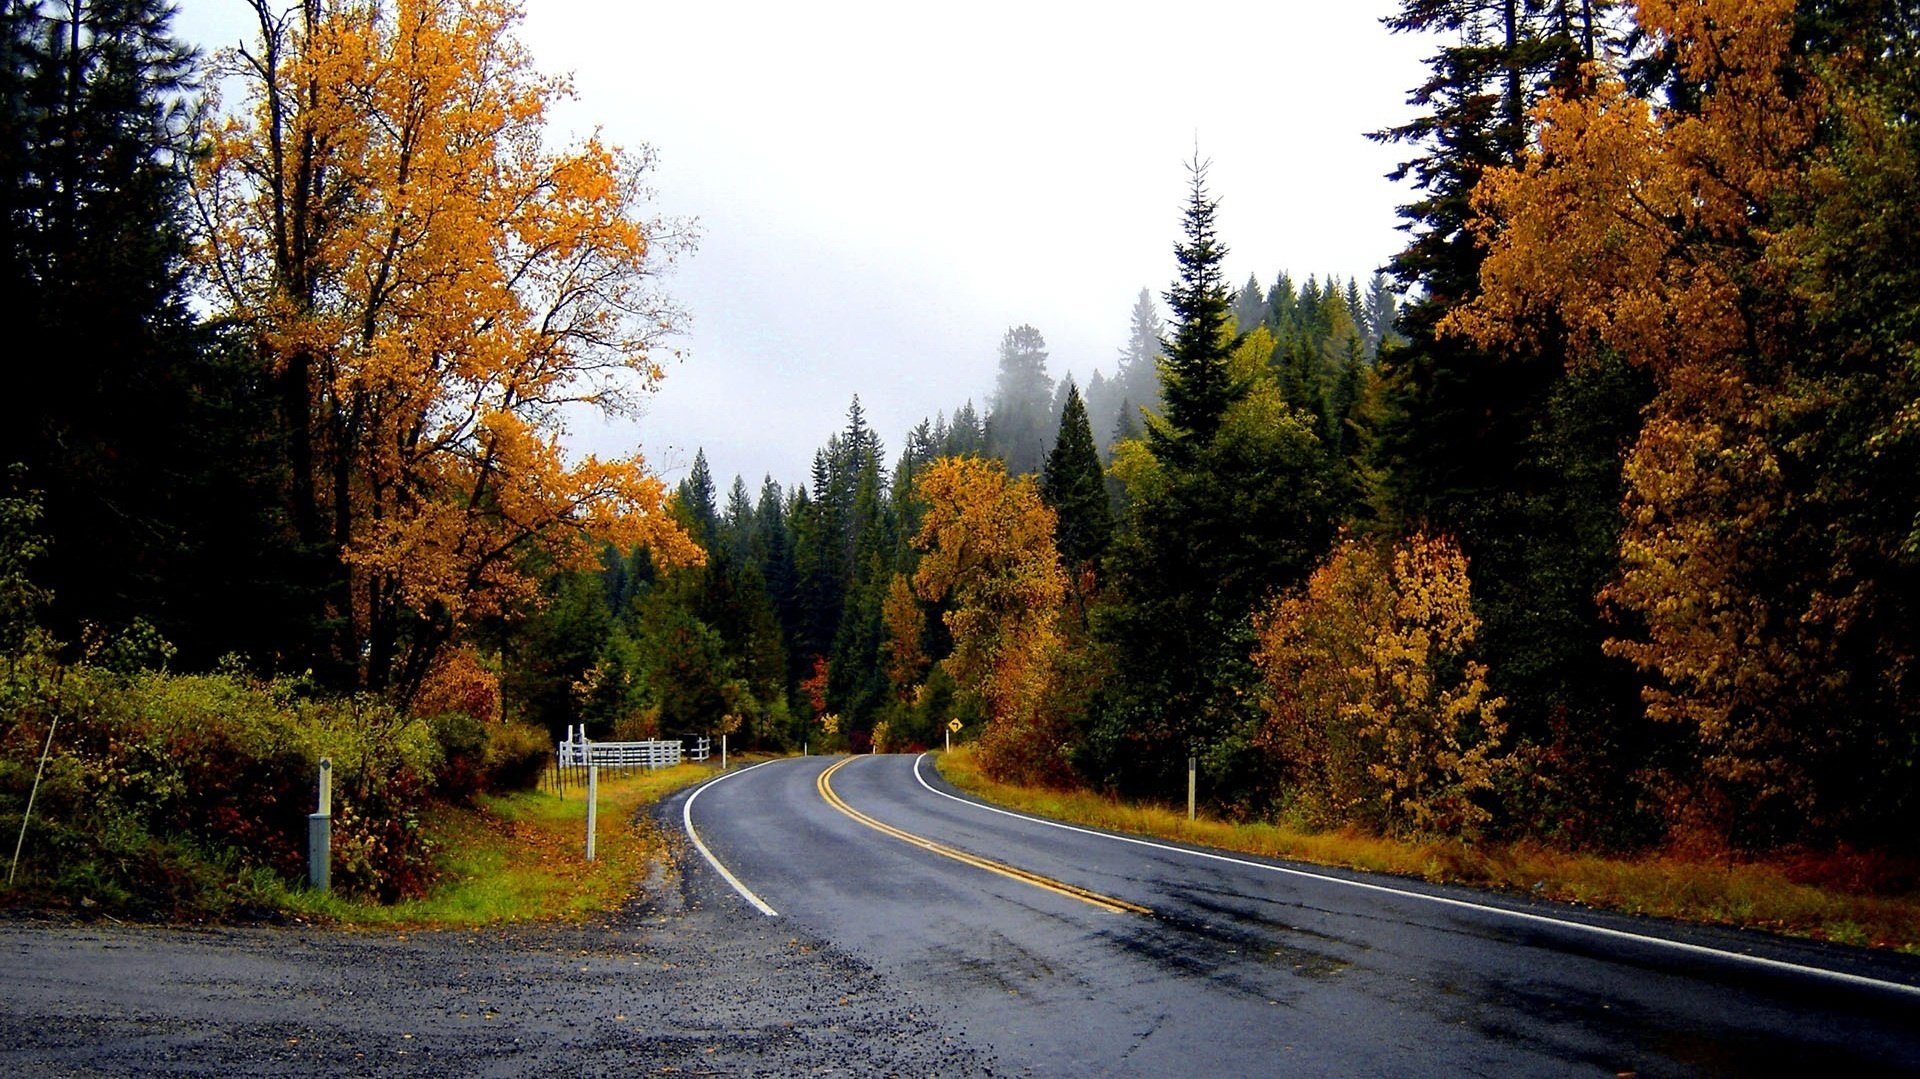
column 522, row 857
column 1800, row 896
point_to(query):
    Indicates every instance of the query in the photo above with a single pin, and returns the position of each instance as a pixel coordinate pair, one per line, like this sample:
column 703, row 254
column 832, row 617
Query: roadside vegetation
column 519, row 857
column 1845, row 897
column 185, row 798
column 1575, row 554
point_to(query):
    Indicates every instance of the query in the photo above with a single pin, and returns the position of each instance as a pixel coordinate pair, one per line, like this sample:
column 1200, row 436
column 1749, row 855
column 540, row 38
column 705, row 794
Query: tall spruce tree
column 1075, row 486
column 1508, row 451
column 1196, row 383
column 1021, row 424
column 142, row 428
column 1231, row 505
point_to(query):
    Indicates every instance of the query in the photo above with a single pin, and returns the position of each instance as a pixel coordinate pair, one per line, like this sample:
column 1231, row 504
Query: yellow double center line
column 1071, row 891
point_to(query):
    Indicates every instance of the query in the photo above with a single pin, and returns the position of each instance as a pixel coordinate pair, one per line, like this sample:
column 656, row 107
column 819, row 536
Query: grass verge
column 522, row 857
column 1771, row 895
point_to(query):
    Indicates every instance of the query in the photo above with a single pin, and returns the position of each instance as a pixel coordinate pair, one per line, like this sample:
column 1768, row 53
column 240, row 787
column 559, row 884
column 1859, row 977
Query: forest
column 1592, row 520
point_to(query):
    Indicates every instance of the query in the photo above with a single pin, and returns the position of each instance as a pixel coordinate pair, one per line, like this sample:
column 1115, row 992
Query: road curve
column 1248, row 967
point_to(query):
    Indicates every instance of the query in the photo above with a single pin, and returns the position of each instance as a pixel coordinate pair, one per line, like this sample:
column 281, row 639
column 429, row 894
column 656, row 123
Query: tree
column 1372, row 711
column 1139, row 374
column 1075, row 486
column 1249, row 306
column 1762, row 582
column 138, row 426
column 1021, row 423
column 431, row 283
column 1193, row 368
column 988, row 557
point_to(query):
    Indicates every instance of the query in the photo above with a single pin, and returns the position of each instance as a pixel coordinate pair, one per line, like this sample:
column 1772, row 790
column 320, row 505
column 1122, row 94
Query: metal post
column 320, row 833
column 593, row 798
column 31, row 795
column 1193, row 765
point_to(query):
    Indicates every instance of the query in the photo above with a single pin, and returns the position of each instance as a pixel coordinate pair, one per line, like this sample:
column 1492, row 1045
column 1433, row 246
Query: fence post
column 1192, row 769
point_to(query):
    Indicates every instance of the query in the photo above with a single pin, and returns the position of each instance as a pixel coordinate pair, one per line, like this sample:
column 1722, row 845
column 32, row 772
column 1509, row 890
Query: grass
column 1838, row 897
column 522, row 857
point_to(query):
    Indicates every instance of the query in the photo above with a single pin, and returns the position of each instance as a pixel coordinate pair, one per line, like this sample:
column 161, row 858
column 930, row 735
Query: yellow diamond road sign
column 954, row 726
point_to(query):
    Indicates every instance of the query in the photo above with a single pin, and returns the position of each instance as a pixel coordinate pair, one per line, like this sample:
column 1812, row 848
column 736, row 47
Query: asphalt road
column 1246, row 967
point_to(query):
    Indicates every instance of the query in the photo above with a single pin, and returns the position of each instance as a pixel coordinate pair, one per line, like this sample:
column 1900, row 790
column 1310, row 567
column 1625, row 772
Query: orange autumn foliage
column 1647, row 231
column 989, row 553
column 435, row 285
column 460, row 683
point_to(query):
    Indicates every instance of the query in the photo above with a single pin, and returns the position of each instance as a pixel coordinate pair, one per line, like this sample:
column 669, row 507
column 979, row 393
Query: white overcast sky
column 882, row 189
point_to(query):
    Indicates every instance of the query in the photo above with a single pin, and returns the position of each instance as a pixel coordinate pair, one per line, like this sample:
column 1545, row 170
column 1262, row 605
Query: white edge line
column 1521, row 915
column 686, row 817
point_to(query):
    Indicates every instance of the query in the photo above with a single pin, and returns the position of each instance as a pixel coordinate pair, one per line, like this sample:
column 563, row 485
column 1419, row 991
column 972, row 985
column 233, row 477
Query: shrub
column 161, row 787
column 1372, row 708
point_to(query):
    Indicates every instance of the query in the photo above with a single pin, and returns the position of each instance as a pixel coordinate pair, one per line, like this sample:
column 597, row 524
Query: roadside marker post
column 320, row 833
column 1193, row 767
column 723, row 753
column 593, row 804
column 20, row 840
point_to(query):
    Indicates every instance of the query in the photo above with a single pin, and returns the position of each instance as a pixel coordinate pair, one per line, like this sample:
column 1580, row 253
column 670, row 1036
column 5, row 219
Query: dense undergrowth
column 185, row 797
column 1857, row 898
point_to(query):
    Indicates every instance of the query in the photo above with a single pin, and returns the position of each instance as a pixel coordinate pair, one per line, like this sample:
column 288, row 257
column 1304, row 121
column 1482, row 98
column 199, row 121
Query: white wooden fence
column 578, row 752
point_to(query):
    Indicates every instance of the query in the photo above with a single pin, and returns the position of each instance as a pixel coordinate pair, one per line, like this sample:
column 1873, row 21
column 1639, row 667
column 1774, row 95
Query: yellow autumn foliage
column 1372, row 711
column 988, row 552
column 1642, row 230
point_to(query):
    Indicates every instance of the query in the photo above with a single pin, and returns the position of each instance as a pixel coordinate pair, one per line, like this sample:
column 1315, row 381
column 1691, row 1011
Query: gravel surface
column 679, row 982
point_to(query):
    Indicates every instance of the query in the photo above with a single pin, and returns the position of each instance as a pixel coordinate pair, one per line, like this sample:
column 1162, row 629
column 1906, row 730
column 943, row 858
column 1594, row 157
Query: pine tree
column 1195, row 380
column 142, row 429
column 1075, row 486
column 1250, row 306
column 1020, row 424
column 1139, row 374
column 696, row 494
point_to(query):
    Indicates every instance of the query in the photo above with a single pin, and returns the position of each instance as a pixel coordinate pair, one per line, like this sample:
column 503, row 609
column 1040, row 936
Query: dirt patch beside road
column 671, row 984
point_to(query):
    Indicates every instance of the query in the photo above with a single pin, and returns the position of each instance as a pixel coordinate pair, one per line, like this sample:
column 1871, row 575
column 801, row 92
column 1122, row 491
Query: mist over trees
column 1589, row 519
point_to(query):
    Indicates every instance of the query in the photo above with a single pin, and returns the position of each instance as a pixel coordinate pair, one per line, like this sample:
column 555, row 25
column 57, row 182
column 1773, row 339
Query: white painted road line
column 1445, row 901
column 686, row 817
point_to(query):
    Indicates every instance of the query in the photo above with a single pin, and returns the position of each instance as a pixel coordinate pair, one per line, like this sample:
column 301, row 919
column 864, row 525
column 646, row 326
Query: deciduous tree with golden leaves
column 989, row 554
column 1762, row 582
column 435, row 284
column 1373, row 711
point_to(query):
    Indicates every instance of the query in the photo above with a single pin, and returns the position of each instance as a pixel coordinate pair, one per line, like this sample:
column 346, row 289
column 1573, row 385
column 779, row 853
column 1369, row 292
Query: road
column 1244, row 967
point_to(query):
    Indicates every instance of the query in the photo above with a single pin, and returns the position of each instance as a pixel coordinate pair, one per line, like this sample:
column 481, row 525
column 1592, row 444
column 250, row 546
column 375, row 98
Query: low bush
column 164, row 793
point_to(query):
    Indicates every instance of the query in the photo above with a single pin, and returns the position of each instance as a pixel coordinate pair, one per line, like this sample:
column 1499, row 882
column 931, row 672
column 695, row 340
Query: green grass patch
column 522, row 857
column 1845, row 897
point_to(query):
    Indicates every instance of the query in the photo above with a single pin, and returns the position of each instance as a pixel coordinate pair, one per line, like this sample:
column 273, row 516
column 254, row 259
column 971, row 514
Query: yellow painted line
column 1058, row 887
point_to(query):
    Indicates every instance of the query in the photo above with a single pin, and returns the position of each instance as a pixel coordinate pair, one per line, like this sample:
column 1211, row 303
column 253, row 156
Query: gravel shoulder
column 680, row 981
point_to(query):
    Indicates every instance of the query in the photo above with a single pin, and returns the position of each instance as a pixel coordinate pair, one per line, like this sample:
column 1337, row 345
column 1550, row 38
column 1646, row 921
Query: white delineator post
column 593, row 803
column 320, row 833
column 1193, row 764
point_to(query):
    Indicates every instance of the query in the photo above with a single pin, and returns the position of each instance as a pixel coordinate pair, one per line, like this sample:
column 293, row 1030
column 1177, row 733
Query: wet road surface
column 1247, row 967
